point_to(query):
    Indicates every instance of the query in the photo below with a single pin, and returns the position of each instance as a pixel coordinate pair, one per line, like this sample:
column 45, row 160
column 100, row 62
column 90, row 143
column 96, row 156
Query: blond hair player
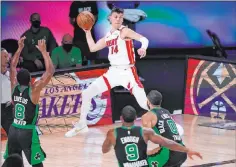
column 122, row 71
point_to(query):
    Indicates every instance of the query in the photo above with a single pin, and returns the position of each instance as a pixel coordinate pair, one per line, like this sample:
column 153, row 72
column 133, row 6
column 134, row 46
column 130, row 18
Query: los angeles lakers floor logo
column 213, row 90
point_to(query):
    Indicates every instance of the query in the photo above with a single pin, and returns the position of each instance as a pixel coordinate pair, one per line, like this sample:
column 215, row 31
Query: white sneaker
column 78, row 128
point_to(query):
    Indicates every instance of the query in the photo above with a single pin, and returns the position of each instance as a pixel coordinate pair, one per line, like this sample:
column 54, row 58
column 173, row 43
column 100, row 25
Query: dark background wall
column 166, row 74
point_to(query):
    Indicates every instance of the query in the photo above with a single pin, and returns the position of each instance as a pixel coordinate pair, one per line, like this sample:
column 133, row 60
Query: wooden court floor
column 85, row 150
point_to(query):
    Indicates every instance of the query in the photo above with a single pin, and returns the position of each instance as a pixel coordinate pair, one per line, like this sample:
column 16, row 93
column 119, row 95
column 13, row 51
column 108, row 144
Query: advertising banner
column 60, row 102
column 211, row 89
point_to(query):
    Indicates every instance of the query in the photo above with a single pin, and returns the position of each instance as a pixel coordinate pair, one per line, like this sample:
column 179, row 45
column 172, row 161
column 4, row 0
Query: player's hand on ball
column 191, row 153
column 142, row 52
column 41, row 45
column 149, row 120
column 87, row 30
column 85, row 20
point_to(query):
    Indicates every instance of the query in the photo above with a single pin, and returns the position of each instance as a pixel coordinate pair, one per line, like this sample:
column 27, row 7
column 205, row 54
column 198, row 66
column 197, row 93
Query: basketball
column 85, row 20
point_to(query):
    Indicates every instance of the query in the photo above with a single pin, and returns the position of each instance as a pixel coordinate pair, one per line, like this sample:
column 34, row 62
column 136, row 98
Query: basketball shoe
column 78, row 128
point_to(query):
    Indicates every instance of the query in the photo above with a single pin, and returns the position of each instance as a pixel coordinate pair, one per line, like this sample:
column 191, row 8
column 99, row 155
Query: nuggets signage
column 211, row 89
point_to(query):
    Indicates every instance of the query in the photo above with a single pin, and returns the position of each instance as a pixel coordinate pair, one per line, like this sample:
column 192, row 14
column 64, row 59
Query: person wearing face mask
column 32, row 58
column 79, row 35
column 66, row 55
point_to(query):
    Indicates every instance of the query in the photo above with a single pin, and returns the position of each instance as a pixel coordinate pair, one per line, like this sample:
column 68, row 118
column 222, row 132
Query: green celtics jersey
column 25, row 112
column 166, row 126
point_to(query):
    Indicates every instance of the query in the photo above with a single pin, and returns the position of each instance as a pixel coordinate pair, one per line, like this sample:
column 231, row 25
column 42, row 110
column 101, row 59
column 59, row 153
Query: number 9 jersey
column 130, row 148
column 121, row 51
column 25, row 112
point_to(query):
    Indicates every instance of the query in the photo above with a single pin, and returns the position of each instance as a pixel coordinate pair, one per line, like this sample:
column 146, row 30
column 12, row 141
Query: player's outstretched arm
column 93, row 47
column 109, row 141
column 128, row 33
column 157, row 139
column 40, row 84
column 14, row 62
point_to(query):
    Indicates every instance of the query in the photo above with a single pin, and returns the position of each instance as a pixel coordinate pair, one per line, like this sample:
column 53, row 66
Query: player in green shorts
column 25, row 98
column 160, row 120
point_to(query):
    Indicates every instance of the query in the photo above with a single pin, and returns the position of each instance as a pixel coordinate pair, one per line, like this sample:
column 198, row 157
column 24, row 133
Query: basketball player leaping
column 25, row 98
column 122, row 71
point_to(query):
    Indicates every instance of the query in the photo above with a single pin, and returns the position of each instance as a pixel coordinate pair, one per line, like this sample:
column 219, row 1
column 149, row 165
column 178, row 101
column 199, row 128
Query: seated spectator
column 79, row 35
column 14, row 160
column 66, row 55
column 32, row 57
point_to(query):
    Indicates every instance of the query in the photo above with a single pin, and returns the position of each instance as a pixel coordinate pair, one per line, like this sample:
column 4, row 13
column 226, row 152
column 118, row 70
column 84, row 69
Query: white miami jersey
column 121, row 51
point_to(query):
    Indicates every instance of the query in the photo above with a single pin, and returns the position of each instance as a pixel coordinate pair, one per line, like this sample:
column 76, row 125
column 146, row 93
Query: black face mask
column 67, row 47
column 36, row 24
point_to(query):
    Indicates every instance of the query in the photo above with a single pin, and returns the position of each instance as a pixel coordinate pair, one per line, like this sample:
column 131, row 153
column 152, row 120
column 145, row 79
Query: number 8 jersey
column 121, row 51
column 25, row 112
column 130, row 148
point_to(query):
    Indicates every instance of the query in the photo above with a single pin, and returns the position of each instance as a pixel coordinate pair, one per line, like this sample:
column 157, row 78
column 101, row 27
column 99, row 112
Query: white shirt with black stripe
column 6, row 87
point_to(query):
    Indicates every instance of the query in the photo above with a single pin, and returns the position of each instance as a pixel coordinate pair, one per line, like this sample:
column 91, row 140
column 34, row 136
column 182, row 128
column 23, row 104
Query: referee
column 6, row 106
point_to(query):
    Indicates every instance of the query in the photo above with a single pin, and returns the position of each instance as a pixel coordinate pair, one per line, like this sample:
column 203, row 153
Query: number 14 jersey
column 130, row 148
column 25, row 112
column 121, row 51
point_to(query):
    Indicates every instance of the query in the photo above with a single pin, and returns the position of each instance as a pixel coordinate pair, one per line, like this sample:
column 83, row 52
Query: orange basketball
column 85, row 20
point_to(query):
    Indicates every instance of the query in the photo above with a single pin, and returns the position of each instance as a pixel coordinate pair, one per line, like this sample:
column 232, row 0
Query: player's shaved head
column 67, row 39
column 23, row 77
column 154, row 97
column 128, row 114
